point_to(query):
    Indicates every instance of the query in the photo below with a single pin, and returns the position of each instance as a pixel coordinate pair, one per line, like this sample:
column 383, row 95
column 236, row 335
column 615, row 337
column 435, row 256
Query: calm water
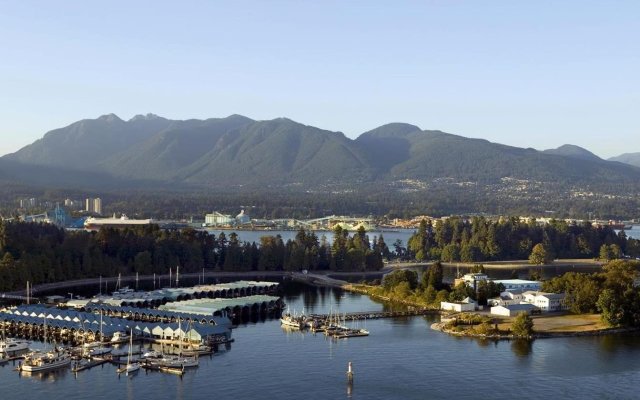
column 254, row 236
column 389, row 236
column 634, row 232
column 402, row 359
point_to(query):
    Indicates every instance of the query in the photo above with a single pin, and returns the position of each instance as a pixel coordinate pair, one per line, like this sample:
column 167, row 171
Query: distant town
column 88, row 214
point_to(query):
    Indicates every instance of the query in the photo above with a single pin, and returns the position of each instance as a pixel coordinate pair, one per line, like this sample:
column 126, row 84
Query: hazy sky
column 531, row 74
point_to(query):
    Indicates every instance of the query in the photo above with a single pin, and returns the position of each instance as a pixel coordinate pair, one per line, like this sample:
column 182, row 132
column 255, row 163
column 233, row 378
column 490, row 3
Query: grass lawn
column 561, row 323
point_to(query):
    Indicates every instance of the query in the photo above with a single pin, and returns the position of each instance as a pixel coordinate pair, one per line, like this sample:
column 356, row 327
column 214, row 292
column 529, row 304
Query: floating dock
column 353, row 316
column 226, row 307
column 81, row 366
column 29, row 320
column 159, row 297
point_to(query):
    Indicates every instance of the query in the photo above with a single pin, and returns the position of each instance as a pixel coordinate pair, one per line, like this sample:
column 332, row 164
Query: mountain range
column 628, row 158
column 149, row 150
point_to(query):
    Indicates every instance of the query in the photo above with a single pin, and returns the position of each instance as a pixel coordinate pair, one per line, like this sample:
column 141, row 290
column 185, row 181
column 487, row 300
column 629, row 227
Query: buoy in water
column 350, row 372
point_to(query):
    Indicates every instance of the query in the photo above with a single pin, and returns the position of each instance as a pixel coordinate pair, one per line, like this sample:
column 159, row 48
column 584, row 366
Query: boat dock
column 77, row 367
column 76, row 326
column 361, row 315
column 9, row 359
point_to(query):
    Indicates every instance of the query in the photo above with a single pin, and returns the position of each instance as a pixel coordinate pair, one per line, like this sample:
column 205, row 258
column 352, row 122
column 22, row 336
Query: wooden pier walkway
column 376, row 314
column 93, row 363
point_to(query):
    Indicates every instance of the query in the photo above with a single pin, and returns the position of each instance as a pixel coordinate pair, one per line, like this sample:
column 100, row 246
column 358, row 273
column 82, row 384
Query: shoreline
column 440, row 326
column 323, row 276
column 43, row 287
column 324, row 279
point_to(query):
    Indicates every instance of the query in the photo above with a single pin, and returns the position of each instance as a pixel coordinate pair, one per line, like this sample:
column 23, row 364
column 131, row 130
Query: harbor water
column 390, row 236
column 401, row 359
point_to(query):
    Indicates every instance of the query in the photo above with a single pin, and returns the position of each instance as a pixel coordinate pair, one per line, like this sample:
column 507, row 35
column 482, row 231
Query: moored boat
column 293, row 322
column 131, row 366
column 13, row 347
column 38, row 361
column 119, row 337
column 173, row 361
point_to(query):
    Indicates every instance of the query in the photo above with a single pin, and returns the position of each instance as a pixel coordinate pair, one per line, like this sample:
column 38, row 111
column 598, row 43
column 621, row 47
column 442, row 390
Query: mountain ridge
column 628, row 158
column 237, row 150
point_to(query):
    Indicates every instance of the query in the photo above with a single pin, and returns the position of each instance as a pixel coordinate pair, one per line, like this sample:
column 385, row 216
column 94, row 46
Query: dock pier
column 360, row 315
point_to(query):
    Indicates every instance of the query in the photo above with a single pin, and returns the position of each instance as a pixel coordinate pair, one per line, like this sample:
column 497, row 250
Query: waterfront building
column 507, row 298
column 459, row 306
column 512, row 310
column 546, row 302
column 218, row 219
column 518, row 284
column 242, row 218
column 73, row 321
column 471, row 279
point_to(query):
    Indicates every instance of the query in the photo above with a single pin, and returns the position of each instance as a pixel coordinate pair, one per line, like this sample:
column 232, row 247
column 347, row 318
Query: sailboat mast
column 178, row 276
column 169, row 277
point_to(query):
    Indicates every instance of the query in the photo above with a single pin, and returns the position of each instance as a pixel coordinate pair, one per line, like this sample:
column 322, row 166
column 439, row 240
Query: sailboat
column 178, row 361
column 96, row 348
column 38, row 361
column 131, row 367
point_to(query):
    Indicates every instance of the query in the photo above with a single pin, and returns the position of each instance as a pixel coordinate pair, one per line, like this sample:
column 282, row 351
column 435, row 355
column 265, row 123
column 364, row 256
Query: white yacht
column 152, row 354
column 13, row 347
column 38, row 361
column 173, row 361
column 119, row 337
column 293, row 321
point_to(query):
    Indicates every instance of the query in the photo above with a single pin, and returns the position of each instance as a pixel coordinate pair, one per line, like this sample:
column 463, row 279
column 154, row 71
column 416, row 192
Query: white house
column 470, row 279
column 512, row 310
column 506, row 298
column 546, row 301
column 459, row 306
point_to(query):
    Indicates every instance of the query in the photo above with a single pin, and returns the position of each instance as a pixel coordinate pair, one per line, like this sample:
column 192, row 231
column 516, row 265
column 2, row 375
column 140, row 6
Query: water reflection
column 49, row 376
column 521, row 347
column 349, row 389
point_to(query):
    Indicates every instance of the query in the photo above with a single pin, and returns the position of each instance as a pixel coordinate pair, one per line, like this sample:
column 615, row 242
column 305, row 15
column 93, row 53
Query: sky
column 530, row 74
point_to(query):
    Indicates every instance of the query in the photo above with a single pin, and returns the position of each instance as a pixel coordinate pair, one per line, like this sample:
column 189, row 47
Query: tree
column 461, row 292
column 477, row 269
column 450, row 253
column 522, row 325
column 394, row 278
column 605, row 253
column 433, row 276
column 611, row 306
column 539, row 255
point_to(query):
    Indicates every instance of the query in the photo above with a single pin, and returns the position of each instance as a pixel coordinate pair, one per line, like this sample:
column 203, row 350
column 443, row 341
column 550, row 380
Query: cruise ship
column 94, row 224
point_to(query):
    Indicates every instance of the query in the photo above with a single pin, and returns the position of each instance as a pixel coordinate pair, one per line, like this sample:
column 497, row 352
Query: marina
column 575, row 367
column 190, row 323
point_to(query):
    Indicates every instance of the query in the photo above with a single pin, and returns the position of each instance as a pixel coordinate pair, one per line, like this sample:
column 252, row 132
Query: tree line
column 43, row 253
column 480, row 239
column 612, row 292
column 428, row 288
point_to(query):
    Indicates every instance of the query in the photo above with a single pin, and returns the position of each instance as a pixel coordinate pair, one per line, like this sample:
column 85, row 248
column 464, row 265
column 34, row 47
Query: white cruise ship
column 94, row 224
